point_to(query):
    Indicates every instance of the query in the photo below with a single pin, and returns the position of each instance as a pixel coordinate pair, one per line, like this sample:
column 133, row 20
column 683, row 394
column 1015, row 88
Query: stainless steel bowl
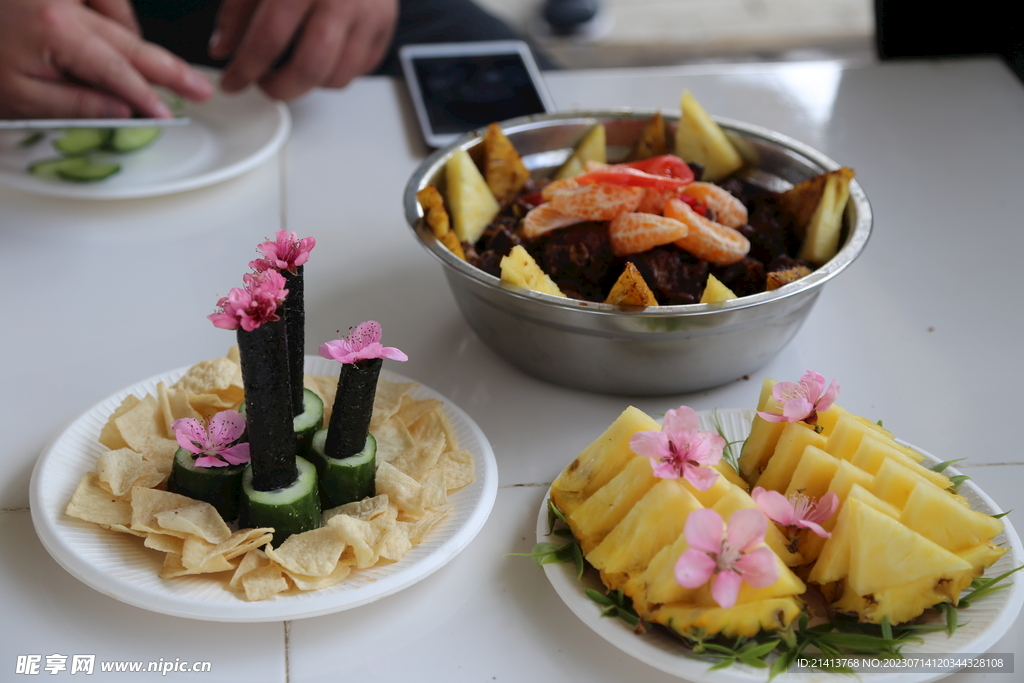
column 661, row 349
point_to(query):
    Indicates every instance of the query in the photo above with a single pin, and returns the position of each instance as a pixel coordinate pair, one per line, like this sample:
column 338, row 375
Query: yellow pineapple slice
column 599, row 462
column 700, row 139
column 900, row 603
column 598, row 514
column 813, row 473
column 873, row 451
column 591, row 148
column 833, row 560
column 519, row 268
column 715, row 292
column 982, row 556
column 730, row 474
column 845, row 477
column 884, row 553
column 471, row 204
column 760, row 443
column 708, row 498
column 827, row 418
column 739, row 620
column 894, row 482
column 934, row 514
column 795, row 437
column 656, row 520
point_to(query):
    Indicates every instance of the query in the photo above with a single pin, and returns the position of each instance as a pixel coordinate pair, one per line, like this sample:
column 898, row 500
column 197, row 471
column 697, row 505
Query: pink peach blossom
column 286, row 252
column 253, row 305
column 212, row 442
column 797, row 510
column 680, row 448
column 802, row 401
column 362, row 343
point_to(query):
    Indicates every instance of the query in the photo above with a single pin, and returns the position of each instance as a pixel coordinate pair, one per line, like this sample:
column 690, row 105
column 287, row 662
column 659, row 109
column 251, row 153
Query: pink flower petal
column 725, row 588
column 816, row 528
column 758, row 567
column 776, row 506
column 210, row 461
column 650, row 444
column 829, row 397
column 225, row 427
column 703, row 530
column 746, row 529
column 772, row 417
column 362, row 343
column 702, row 478
column 237, row 454
column 706, row 448
column 682, row 419
column 813, row 383
column 825, row 508
column 190, row 434
column 694, row 568
column 797, row 408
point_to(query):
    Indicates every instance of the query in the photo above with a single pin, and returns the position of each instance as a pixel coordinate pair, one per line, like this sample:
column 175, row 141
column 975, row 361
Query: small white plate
column 981, row 625
column 118, row 565
column 228, row 136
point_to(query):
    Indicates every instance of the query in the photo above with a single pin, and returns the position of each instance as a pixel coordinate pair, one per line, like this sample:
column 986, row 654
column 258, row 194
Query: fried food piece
column 777, row 278
column 436, row 217
column 503, row 168
column 519, row 268
column 652, row 141
column 631, row 289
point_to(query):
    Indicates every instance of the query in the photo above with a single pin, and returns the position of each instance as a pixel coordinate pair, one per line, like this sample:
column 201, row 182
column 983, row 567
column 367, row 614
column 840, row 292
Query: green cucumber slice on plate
column 305, row 423
column 345, row 480
column 221, row 487
column 89, row 172
column 131, row 139
column 78, row 141
column 47, row 168
column 289, row 510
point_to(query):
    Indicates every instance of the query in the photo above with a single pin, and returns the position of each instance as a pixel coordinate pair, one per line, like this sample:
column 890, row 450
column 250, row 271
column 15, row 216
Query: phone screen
column 461, row 93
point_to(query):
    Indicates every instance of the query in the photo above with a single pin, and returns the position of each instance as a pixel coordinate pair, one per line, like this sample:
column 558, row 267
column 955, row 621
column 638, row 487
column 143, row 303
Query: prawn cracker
column 312, row 553
column 120, row 470
column 93, row 503
column 110, row 435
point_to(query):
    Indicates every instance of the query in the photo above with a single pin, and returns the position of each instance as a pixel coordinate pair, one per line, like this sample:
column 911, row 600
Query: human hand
column 336, row 40
column 84, row 58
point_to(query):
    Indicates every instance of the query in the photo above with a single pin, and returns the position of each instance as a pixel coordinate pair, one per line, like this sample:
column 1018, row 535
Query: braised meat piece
column 743, row 278
column 675, row 276
column 579, row 259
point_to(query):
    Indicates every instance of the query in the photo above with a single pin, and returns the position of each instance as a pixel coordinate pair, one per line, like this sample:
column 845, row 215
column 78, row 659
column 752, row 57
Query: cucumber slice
column 345, row 480
column 289, row 510
column 47, row 168
column 221, row 487
column 305, row 423
column 90, row 172
column 308, row 421
column 78, row 141
column 131, row 139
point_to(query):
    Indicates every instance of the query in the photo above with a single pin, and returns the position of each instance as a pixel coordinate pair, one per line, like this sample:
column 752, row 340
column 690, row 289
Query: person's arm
column 70, row 59
column 333, row 42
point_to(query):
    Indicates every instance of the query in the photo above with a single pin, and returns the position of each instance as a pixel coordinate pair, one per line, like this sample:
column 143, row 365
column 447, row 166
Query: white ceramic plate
column 987, row 620
column 118, row 565
column 228, row 136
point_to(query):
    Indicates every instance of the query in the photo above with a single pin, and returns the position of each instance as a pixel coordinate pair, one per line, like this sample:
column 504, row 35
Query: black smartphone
column 459, row 87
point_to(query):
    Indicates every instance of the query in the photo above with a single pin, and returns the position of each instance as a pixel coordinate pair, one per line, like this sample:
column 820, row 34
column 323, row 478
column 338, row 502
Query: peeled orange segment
column 545, row 218
column 729, row 211
column 632, row 233
column 597, row 202
column 706, row 239
column 556, row 187
column 654, row 200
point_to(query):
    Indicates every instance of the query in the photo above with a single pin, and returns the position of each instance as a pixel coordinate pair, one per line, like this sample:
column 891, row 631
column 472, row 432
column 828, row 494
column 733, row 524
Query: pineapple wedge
column 519, row 268
column 699, row 139
column 471, row 204
column 503, row 167
column 821, row 240
column 590, row 148
column 715, row 292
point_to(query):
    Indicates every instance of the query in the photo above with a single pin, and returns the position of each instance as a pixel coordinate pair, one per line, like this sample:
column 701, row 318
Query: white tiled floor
column 651, row 32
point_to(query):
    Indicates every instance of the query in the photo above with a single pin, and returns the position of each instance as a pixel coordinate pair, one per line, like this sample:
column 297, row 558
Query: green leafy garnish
column 615, row 604
column 941, row 466
column 727, row 453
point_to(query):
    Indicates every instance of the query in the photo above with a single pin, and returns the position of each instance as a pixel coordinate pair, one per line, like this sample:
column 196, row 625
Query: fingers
column 52, row 99
column 361, row 55
column 120, row 11
column 271, row 29
column 324, row 37
column 232, row 19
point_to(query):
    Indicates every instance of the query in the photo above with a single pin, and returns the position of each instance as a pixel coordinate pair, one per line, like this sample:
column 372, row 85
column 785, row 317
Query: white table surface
column 924, row 331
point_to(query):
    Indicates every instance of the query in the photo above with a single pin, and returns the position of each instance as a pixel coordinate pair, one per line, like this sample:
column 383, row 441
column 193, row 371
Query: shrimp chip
column 313, row 583
column 458, row 468
column 120, row 470
column 312, row 553
column 199, row 519
column 110, row 435
column 93, row 503
column 365, row 509
column 405, row 492
column 140, row 423
column 264, row 582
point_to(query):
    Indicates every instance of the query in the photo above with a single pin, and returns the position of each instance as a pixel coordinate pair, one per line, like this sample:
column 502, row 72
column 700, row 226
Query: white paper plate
column 228, row 136
column 118, row 565
column 989, row 618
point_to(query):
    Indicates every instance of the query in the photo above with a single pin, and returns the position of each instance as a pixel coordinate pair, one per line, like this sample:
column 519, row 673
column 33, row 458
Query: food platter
column 227, row 137
column 986, row 621
column 118, row 565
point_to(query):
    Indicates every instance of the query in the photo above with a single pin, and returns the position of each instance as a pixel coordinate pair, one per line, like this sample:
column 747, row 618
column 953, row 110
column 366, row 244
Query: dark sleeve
column 908, row 28
column 182, row 26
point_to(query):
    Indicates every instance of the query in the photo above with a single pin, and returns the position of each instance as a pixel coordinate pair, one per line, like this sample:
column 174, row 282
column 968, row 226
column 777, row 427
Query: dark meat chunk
column 675, row 276
column 579, row 259
column 743, row 278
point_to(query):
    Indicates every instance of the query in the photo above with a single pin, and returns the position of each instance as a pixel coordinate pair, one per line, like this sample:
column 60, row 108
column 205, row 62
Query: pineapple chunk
column 900, row 603
column 795, row 437
column 739, row 620
column 600, row 461
column 590, row 148
column 503, row 167
column 699, row 139
column 934, row 514
column 631, row 289
column 885, row 554
column 872, row 452
column 519, row 268
column 737, row 499
column 471, row 204
column 599, row 514
column 846, row 476
column 708, row 498
column 656, row 520
column 821, row 240
column 760, row 443
column 715, row 292
column 813, row 473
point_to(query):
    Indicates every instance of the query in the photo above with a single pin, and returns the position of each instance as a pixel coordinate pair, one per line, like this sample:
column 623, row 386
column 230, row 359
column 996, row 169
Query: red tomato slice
column 666, row 164
column 621, row 174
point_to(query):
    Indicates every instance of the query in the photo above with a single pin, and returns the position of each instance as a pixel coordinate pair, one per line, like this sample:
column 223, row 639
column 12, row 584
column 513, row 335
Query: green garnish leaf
column 939, row 467
column 1001, row 514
